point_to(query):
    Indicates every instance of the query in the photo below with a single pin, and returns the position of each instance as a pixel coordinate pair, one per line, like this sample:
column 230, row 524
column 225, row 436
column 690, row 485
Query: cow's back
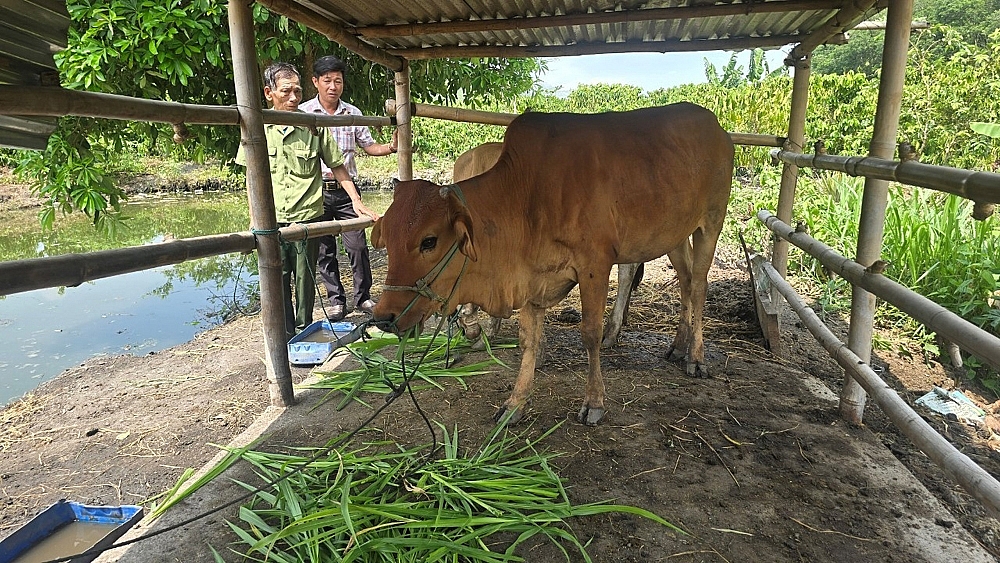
column 638, row 182
column 476, row 160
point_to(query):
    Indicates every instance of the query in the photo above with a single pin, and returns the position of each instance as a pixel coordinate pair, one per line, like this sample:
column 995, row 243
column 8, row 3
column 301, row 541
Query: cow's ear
column 377, row 241
column 463, row 226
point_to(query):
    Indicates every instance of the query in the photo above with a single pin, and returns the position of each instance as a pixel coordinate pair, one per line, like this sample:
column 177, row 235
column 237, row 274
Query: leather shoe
column 337, row 312
column 367, row 305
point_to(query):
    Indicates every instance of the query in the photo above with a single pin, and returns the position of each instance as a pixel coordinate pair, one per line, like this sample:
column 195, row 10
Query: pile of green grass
column 380, row 503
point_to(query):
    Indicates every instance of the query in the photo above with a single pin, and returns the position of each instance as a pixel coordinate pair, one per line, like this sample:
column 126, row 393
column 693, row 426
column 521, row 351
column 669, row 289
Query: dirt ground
column 753, row 462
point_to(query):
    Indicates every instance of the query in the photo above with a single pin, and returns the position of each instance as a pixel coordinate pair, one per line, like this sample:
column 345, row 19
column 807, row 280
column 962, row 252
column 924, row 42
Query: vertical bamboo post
column 790, row 172
column 769, row 322
column 873, row 202
column 403, row 117
column 248, row 101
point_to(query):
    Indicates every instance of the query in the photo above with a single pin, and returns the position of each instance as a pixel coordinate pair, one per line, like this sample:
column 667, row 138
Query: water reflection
column 49, row 330
column 46, row 331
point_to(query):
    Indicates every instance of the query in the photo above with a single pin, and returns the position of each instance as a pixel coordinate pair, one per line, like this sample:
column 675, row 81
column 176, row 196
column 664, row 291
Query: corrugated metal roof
column 416, row 29
column 31, row 31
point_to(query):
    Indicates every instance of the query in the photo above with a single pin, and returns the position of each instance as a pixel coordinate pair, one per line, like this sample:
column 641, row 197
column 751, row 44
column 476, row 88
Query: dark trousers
column 298, row 262
column 337, row 207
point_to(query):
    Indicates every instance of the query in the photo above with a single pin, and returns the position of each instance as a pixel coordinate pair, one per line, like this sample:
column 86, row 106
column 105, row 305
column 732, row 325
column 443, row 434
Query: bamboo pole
column 262, row 214
column 876, row 195
column 842, row 21
column 497, row 118
column 57, row 102
column 70, row 270
column 790, row 173
column 454, row 114
column 324, row 24
column 597, row 47
column 981, row 187
column 757, row 140
column 974, row 479
column 404, row 126
column 936, row 318
column 596, row 18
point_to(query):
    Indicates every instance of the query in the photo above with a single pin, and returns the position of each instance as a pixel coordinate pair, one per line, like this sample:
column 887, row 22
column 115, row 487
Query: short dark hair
column 278, row 70
column 329, row 63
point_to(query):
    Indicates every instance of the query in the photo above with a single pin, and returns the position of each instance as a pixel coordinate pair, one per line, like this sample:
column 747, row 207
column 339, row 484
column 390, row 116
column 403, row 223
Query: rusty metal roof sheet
column 419, row 29
column 31, row 31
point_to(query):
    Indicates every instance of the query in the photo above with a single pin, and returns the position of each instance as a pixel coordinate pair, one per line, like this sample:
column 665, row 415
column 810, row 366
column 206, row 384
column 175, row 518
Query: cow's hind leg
column 704, row 240
column 680, row 259
column 529, row 335
column 593, row 297
column 629, row 276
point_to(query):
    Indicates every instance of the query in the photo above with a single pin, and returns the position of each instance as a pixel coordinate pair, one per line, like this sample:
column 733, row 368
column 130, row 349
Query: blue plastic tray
column 62, row 513
column 313, row 353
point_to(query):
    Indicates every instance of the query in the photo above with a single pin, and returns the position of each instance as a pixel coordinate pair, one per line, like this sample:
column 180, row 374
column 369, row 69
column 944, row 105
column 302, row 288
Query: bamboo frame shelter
column 393, row 33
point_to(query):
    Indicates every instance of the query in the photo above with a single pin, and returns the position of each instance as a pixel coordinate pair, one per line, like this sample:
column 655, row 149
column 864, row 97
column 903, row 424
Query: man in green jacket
column 294, row 154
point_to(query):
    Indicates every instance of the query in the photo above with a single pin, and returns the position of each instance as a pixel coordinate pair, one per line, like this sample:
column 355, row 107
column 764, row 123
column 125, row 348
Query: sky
column 648, row 71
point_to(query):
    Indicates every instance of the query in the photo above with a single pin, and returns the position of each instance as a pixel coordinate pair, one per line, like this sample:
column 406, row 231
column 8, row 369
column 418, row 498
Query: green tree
column 974, row 20
column 732, row 74
column 179, row 51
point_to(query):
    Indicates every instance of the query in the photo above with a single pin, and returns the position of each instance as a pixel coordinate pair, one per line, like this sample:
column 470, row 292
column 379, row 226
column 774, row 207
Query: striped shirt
column 348, row 137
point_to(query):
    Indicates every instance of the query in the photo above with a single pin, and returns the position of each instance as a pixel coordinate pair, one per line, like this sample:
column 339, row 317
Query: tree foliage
column 732, row 74
column 179, row 51
column 974, row 20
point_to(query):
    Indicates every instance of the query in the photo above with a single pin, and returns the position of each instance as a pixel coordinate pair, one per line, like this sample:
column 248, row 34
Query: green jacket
column 296, row 178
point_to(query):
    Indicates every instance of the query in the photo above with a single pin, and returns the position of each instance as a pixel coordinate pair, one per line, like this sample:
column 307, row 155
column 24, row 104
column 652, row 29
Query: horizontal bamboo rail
column 495, row 118
column 974, row 479
column 454, row 114
column 757, row 140
column 981, row 187
column 935, row 317
column 56, row 102
column 71, row 270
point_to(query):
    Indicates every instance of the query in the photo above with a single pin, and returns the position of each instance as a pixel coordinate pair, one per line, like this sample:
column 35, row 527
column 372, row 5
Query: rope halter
column 422, row 287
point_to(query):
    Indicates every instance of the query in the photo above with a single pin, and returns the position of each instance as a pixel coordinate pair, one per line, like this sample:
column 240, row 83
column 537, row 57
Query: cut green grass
column 368, row 505
column 426, row 362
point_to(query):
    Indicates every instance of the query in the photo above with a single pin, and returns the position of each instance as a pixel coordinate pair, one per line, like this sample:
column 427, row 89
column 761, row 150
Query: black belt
column 331, row 185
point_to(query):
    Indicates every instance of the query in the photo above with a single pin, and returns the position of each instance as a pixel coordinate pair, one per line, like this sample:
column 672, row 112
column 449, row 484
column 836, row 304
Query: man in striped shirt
column 338, row 203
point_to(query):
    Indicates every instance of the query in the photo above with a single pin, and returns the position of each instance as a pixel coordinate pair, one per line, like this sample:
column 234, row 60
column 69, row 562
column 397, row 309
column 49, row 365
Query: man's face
column 286, row 95
column 330, row 86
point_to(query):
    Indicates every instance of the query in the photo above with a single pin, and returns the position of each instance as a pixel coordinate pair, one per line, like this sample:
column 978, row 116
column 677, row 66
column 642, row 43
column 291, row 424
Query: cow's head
column 427, row 233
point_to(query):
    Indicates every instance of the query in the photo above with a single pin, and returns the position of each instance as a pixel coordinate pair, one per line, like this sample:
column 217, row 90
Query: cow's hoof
column 675, row 355
column 508, row 415
column 472, row 332
column 609, row 341
column 479, row 345
column 695, row 369
column 590, row 415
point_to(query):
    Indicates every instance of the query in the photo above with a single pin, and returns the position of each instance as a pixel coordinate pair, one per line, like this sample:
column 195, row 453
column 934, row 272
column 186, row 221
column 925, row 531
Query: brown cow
column 474, row 162
column 570, row 196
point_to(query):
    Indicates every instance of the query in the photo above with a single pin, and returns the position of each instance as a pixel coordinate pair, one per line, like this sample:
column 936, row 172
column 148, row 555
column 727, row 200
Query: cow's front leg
column 529, row 335
column 593, row 296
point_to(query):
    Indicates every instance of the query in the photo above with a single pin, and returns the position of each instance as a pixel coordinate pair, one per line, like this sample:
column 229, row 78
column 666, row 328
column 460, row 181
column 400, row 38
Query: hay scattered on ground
column 15, row 419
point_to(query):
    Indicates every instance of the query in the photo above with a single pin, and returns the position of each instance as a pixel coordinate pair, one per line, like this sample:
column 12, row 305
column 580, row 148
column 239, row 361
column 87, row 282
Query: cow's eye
column 428, row 244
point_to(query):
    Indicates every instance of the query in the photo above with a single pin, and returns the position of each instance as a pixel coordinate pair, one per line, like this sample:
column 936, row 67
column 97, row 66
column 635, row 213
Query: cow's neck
column 498, row 202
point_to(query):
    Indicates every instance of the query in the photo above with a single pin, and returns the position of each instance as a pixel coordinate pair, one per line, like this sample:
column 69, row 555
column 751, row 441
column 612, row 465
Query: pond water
column 44, row 332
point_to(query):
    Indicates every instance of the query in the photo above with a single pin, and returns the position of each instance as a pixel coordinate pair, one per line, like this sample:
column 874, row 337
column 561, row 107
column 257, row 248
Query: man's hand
column 363, row 211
